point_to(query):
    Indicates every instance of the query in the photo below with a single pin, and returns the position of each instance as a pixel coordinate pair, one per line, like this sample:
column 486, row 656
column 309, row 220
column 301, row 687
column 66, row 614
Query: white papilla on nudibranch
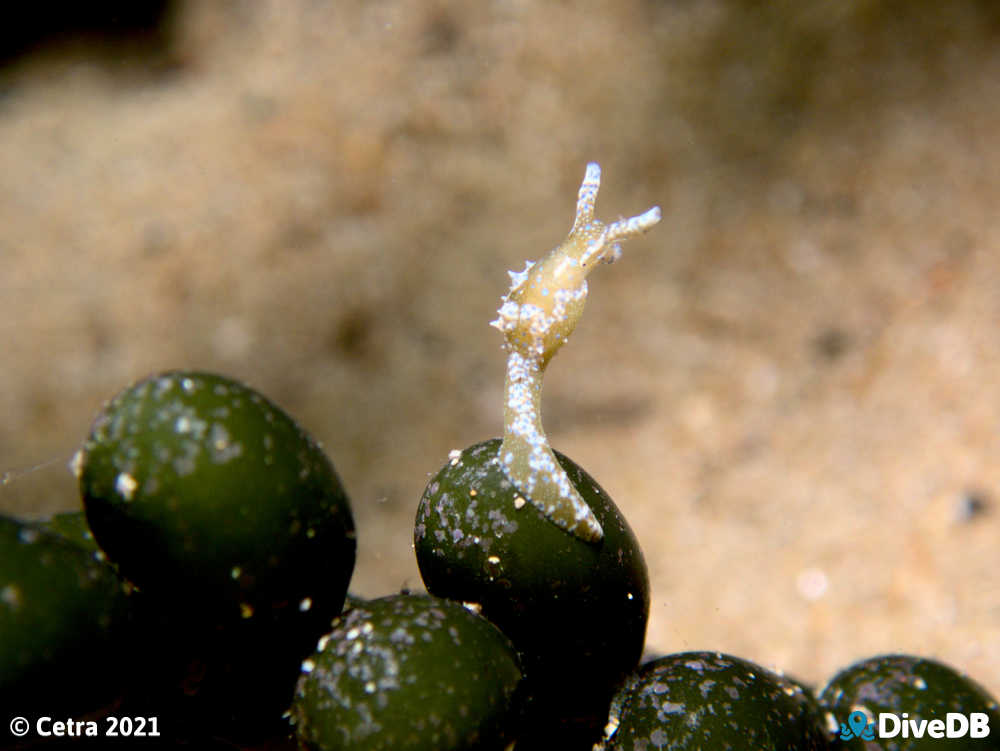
column 536, row 317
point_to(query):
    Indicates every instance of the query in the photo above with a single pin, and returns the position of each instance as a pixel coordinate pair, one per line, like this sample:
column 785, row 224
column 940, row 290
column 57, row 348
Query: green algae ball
column 203, row 491
column 235, row 528
column 708, row 700
column 912, row 693
column 575, row 610
column 409, row 673
column 64, row 619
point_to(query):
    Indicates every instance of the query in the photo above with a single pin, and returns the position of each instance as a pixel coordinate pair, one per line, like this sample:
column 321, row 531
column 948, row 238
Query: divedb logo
column 890, row 725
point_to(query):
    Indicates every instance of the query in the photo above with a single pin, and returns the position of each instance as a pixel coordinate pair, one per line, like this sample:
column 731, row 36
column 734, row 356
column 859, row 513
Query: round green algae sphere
column 235, row 528
column 408, row 673
column 575, row 610
column 203, row 491
column 708, row 700
column 64, row 620
column 914, row 690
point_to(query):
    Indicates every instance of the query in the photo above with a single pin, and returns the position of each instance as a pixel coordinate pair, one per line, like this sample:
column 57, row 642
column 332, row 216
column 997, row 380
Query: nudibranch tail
column 536, row 316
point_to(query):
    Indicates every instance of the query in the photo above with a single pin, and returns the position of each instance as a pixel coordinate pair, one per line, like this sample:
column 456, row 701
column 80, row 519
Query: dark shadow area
column 109, row 28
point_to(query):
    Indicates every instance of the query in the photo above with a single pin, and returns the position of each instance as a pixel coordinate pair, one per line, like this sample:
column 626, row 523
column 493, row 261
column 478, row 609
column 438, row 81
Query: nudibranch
column 536, row 316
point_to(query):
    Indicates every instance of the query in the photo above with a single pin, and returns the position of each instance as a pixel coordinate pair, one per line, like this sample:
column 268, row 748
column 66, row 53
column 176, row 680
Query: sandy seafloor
column 790, row 387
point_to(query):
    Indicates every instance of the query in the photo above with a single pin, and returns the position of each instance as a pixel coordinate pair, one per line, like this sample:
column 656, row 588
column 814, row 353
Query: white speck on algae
column 76, row 464
column 11, row 596
column 28, row 536
column 126, row 485
column 223, row 449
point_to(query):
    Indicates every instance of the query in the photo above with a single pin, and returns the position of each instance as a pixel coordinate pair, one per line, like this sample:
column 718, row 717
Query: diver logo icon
column 857, row 726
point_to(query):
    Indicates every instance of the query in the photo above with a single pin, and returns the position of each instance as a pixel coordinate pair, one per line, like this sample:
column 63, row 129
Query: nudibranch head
column 536, row 316
column 545, row 300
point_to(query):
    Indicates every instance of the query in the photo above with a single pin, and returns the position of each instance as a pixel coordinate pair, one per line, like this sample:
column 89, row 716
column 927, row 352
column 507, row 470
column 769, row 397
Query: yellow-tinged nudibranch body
column 536, row 317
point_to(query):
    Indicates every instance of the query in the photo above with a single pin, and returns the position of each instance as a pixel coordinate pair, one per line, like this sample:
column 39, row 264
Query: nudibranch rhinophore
column 536, row 316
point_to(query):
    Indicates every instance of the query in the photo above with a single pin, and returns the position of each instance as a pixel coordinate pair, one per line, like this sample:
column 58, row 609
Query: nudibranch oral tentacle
column 536, row 316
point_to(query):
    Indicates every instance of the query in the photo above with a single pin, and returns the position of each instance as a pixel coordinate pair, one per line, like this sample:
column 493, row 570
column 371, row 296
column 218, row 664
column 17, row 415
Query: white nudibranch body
column 536, row 317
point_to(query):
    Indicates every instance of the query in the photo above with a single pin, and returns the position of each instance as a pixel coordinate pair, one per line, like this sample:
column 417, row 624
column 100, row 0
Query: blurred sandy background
column 791, row 387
